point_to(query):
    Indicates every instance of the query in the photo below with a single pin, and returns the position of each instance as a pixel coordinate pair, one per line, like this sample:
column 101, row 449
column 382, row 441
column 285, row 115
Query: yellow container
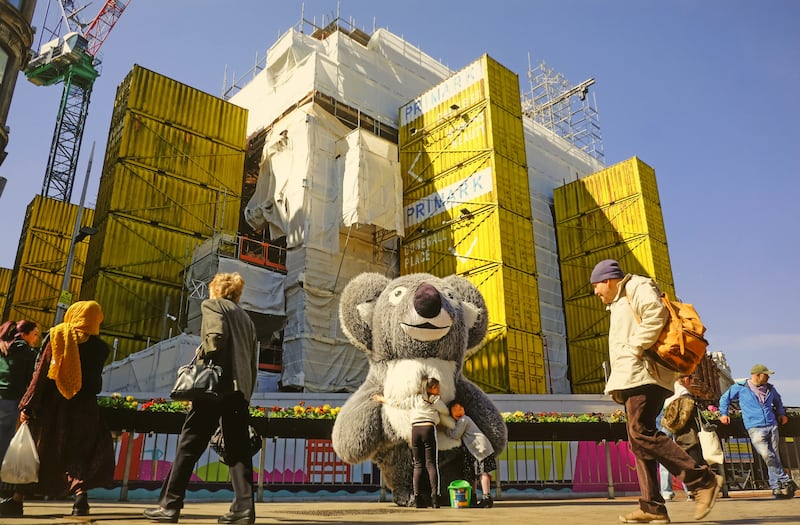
column 172, row 177
column 5, row 283
column 41, row 258
column 612, row 214
column 468, row 212
column 133, row 309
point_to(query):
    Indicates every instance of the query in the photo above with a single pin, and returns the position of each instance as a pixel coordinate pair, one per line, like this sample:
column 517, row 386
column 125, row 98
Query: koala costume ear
column 475, row 307
column 356, row 307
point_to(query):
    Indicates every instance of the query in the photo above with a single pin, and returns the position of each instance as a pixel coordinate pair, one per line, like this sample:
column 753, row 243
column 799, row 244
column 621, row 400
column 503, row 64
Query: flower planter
column 120, row 419
column 562, row 431
column 290, row 427
column 159, row 422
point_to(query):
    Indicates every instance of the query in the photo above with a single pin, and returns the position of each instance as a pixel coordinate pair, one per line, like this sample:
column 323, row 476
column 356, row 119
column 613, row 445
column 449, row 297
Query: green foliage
column 301, row 411
column 163, row 405
column 551, row 417
column 116, row 400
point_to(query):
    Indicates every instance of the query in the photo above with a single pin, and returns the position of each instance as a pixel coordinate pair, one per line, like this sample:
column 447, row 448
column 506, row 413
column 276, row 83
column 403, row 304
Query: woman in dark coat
column 75, row 448
column 17, row 359
column 228, row 339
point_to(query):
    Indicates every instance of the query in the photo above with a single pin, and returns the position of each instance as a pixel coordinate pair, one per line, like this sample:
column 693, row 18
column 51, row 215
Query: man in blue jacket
column 762, row 410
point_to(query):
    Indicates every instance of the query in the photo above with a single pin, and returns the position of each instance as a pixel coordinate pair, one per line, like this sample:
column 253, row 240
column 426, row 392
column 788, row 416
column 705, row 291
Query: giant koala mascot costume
column 414, row 326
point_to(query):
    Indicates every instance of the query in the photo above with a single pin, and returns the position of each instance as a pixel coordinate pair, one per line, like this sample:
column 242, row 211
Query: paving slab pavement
column 745, row 508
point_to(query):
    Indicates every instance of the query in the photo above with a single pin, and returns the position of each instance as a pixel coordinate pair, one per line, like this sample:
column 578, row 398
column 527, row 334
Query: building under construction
column 328, row 114
column 348, row 152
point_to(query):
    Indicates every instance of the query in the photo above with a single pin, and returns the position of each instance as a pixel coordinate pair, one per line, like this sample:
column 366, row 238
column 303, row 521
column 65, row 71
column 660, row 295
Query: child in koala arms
column 479, row 460
column 427, row 410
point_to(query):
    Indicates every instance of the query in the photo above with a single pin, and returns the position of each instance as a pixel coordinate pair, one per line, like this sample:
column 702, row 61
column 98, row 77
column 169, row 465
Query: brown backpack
column 680, row 345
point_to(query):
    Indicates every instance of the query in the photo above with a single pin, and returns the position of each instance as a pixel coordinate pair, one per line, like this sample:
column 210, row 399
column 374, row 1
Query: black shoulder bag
column 197, row 381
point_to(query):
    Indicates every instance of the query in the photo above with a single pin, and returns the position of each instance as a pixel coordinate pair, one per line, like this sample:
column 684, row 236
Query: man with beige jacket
column 637, row 318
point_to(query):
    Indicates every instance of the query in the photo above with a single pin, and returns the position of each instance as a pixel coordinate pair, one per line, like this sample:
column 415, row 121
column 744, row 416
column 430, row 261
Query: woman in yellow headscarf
column 75, row 448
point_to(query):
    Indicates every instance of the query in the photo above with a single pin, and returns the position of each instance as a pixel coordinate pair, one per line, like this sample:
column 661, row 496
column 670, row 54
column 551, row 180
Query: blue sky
column 702, row 91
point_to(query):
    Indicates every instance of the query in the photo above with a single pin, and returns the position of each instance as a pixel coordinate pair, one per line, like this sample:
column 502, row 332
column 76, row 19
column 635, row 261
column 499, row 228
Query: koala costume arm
column 359, row 430
column 483, row 413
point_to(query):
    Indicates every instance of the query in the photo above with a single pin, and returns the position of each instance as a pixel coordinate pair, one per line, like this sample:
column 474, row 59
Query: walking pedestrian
column 762, row 410
column 479, row 457
column 228, row 339
column 679, row 420
column 17, row 360
column 427, row 411
column 642, row 385
column 75, row 449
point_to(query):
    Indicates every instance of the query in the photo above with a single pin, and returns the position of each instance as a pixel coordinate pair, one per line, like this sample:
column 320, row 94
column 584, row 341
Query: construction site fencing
column 558, row 460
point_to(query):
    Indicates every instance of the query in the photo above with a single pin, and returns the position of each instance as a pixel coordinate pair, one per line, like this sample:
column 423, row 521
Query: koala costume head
column 412, row 327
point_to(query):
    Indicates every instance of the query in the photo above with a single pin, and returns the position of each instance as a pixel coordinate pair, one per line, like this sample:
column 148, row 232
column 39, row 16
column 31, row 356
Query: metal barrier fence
column 576, row 468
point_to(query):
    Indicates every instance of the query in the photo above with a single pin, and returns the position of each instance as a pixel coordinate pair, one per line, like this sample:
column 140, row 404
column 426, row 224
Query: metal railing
column 563, row 468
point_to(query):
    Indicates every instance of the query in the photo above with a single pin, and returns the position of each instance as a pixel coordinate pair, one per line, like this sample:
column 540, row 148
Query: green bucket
column 460, row 494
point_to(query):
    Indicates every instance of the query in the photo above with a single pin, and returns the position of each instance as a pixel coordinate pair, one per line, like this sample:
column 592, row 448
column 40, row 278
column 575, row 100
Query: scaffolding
column 567, row 110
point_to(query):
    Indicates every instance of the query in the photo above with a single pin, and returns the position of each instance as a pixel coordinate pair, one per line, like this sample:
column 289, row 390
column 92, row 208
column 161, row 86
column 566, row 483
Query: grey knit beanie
column 606, row 269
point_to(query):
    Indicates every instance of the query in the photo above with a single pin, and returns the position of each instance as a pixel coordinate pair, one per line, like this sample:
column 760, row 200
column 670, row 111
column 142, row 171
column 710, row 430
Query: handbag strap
column 702, row 421
column 196, row 355
column 197, row 352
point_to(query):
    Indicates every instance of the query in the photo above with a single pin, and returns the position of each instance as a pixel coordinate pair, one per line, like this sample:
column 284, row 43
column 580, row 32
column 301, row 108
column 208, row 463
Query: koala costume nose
column 427, row 301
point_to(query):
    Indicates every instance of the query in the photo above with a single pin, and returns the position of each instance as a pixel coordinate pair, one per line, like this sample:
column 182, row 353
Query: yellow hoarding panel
column 488, row 367
column 177, row 153
column 586, row 359
column 436, row 204
column 513, row 192
column 172, row 178
column 526, row 363
column 463, row 89
column 612, row 214
column 521, row 298
column 511, row 361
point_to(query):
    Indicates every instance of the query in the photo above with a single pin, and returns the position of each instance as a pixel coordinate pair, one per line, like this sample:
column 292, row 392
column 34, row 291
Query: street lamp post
column 78, row 234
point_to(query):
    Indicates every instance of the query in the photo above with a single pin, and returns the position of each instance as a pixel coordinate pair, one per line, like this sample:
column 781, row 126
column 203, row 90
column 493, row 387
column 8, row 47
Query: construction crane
column 70, row 56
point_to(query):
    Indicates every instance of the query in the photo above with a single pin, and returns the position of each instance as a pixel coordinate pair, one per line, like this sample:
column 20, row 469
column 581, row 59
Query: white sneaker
column 668, row 496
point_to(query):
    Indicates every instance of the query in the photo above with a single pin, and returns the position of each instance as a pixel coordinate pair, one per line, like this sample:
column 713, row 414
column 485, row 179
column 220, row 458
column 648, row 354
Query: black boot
column 435, row 501
column 11, row 508
column 81, row 505
column 419, row 501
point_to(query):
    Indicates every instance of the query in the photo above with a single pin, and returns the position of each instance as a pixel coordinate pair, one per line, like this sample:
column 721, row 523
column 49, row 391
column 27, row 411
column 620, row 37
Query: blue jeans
column 665, row 481
column 765, row 442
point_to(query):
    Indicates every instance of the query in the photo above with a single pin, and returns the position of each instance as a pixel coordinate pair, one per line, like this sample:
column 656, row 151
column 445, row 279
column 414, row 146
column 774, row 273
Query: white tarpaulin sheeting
column 317, row 175
column 377, row 78
column 263, row 290
column 372, row 189
column 150, row 370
